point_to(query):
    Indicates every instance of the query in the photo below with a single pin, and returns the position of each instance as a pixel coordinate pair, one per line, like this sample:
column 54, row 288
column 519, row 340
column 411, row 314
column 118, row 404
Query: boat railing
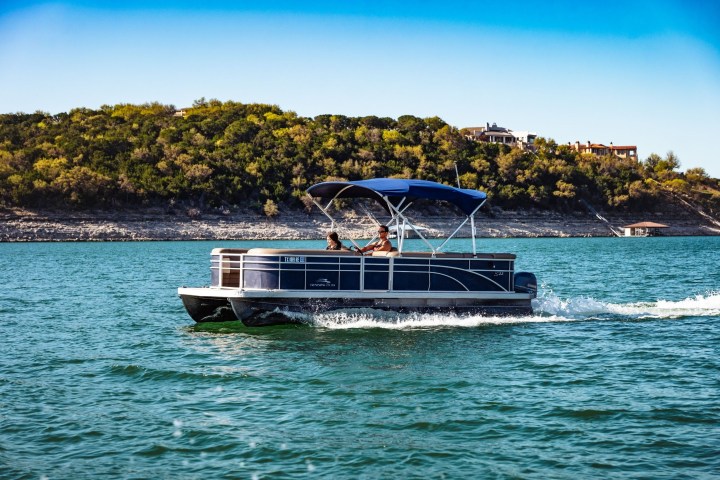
column 235, row 268
column 347, row 253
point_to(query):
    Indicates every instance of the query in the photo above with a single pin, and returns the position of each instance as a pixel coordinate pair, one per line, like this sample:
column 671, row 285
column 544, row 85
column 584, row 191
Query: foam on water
column 586, row 308
column 399, row 321
column 548, row 308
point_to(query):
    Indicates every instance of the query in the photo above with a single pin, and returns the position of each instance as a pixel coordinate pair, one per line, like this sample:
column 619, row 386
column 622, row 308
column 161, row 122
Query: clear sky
column 643, row 73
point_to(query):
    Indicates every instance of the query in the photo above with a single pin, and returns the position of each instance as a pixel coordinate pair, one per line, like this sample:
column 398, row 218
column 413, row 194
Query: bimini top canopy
column 396, row 188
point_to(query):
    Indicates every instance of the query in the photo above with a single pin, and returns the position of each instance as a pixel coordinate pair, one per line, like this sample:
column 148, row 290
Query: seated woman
column 381, row 245
column 334, row 243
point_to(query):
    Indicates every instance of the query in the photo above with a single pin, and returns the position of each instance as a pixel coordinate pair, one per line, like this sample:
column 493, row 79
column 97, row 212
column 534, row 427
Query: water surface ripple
column 617, row 375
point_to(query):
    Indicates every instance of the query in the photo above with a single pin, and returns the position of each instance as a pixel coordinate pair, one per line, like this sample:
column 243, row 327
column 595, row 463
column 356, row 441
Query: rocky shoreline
column 20, row 225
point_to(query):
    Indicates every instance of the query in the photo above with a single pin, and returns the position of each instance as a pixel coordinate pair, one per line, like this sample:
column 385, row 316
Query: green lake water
column 617, row 375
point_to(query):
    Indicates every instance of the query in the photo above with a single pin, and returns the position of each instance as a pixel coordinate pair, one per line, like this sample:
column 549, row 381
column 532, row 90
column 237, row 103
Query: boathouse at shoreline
column 644, row 229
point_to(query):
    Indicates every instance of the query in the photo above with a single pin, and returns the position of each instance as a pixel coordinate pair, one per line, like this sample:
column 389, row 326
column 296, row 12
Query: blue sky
column 643, row 73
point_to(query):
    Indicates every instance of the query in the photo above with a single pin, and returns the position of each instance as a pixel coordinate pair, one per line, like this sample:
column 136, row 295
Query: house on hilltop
column 600, row 150
column 493, row 134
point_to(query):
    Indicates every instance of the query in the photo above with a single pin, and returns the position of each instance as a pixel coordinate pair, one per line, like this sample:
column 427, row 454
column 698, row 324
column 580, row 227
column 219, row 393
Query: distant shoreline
column 20, row 225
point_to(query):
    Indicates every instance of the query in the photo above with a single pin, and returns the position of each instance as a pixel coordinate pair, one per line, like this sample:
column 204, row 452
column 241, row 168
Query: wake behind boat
column 264, row 286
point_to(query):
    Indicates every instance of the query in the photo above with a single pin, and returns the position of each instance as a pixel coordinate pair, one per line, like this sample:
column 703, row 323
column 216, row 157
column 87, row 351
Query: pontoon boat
column 267, row 286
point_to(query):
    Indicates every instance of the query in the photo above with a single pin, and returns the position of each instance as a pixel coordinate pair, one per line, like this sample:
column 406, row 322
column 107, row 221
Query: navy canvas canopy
column 465, row 199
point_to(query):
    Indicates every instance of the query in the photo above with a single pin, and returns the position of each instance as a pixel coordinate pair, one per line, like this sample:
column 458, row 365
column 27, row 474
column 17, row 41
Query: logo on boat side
column 322, row 283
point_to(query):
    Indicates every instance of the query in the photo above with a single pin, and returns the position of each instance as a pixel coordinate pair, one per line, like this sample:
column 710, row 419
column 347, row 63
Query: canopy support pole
column 398, row 215
column 325, row 211
column 470, row 217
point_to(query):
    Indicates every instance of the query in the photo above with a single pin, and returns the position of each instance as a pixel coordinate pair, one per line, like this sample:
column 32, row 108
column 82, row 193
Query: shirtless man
column 382, row 244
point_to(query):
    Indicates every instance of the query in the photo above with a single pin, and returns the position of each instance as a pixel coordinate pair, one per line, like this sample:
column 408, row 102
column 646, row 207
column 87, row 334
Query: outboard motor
column 525, row 282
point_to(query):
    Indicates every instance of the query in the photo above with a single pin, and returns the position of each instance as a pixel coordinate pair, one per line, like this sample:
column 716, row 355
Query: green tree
column 270, row 208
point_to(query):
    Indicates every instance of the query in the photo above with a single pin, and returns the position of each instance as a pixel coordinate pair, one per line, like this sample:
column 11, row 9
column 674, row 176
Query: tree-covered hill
column 221, row 154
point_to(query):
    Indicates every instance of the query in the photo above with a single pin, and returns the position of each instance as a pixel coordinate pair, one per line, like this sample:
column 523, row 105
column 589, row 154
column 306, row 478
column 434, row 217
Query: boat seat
column 488, row 256
column 228, row 251
column 391, row 253
column 295, row 251
column 437, row 255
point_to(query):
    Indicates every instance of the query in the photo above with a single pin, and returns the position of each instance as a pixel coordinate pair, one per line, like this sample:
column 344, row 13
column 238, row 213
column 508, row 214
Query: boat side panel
column 261, row 272
column 377, row 274
column 322, row 273
column 292, row 276
column 350, row 273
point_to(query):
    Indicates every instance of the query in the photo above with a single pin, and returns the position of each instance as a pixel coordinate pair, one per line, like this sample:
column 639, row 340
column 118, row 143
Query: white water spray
column 548, row 308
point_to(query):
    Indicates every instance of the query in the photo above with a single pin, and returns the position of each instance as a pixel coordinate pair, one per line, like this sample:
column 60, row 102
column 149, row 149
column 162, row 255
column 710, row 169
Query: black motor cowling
column 525, row 282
